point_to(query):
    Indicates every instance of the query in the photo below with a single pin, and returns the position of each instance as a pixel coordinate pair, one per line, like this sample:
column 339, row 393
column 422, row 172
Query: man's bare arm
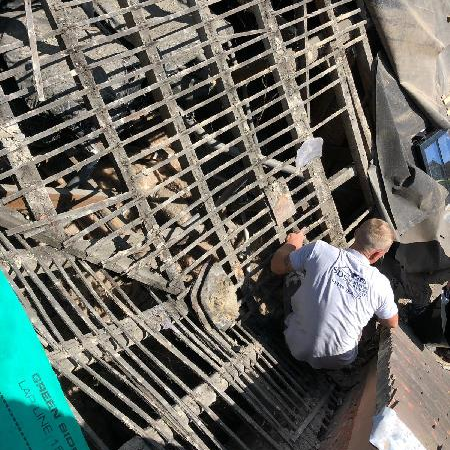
column 280, row 263
column 390, row 323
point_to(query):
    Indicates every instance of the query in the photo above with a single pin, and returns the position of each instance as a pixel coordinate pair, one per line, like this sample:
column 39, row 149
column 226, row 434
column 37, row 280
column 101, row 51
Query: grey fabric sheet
column 416, row 37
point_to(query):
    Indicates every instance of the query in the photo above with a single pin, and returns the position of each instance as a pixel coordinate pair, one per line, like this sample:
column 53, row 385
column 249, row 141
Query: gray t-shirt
column 340, row 293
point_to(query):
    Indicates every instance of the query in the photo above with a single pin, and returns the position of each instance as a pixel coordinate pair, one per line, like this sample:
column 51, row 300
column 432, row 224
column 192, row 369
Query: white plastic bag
column 390, row 433
column 309, row 150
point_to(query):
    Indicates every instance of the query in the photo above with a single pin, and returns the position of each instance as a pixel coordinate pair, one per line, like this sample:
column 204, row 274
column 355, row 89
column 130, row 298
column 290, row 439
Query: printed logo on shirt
column 352, row 283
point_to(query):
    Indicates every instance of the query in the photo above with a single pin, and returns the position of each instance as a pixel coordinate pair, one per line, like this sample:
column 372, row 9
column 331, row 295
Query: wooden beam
column 75, row 198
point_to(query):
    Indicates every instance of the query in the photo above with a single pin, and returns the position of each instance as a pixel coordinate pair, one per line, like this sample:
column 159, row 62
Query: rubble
column 217, row 297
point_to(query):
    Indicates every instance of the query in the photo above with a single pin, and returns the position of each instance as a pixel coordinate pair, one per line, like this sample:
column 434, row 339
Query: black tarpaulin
column 415, row 202
column 411, row 85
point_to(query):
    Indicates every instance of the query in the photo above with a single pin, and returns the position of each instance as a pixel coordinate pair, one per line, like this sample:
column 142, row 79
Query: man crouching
column 340, row 293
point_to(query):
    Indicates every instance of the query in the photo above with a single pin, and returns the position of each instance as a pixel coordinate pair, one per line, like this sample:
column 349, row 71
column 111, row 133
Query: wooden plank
column 76, row 198
column 341, row 177
column 34, row 51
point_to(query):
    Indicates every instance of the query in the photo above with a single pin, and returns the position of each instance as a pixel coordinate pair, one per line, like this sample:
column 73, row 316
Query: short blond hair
column 374, row 234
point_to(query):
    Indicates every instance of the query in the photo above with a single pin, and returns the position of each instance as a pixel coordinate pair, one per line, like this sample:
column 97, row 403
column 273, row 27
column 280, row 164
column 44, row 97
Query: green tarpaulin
column 34, row 414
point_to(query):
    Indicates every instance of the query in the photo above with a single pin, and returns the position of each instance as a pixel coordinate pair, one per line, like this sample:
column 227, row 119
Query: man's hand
column 280, row 263
column 296, row 239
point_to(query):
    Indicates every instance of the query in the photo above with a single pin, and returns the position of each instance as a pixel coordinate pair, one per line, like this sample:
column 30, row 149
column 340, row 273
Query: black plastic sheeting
column 409, row 85
column 415, row 202
column 412, row 194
